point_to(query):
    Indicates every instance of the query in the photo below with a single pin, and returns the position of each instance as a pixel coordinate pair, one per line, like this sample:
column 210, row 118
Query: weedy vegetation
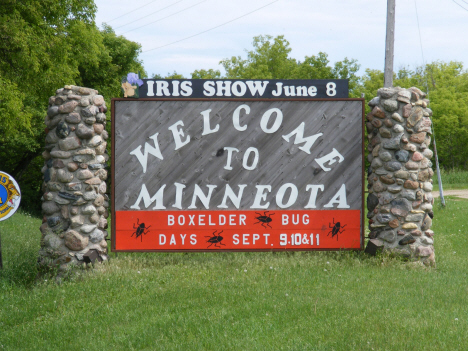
column 239, row 301
column 451, row 179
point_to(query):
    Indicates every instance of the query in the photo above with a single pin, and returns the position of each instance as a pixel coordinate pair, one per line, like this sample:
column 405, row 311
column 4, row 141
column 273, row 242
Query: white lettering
column 223, row 86
column 330, row 159
column 178, row 197
column 339, row 198
column 205, row 199
column 143, row 158
column 257, row 87
column 261, row 196
column 266, row 118
column 255, row 238
column 246, row 158
column 206, row 123
column 222, row 219
column 186, row 88
column 150, row 84
column 201, row 219
column 162, row 88
column 235, row 199
column 278, row 92
column 313, row 194
column 239, row 88
column 235, row 117
column 289, row 90
column 178, row 134
column 292, row 196
column 230, row 150
column 242, row 219
column 170, row 220
column 181, row 220
column 175, row 88
column 158, row 197
column 235, row 239
column 193, row 239
column 209, row 89
column 299, row 132
column 312, row 91
column 301, row 91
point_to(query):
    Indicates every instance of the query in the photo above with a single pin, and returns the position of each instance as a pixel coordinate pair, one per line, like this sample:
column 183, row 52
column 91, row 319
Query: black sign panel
column 244, row 88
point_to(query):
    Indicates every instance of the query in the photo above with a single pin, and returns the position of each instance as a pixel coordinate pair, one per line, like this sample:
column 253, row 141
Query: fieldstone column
column 74, row 203
column 400, row 176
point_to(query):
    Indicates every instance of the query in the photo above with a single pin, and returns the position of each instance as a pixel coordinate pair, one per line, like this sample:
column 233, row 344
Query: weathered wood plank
column 280, row 161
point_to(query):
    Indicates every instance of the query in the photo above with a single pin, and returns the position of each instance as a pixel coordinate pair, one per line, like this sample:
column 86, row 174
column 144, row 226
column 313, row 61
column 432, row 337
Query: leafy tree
column 270, row 59
column 447, row 88
column 206, row 74
column 44, row 45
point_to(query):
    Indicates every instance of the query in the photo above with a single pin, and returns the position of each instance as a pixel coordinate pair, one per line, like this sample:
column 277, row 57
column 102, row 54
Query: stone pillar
column 74, row 203
column 400, row 176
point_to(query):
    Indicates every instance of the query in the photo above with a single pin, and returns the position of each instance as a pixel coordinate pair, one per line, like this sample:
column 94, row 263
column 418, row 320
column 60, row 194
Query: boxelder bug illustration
column 215, row 239
column 264, row 219
column 335, row 229
column 140, row 229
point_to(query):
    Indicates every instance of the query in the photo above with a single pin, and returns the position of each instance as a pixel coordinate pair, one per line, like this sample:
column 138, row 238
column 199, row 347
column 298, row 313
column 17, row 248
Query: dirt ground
column 460, row 193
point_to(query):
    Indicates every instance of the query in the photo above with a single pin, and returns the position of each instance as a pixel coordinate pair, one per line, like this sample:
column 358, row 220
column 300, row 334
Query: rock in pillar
column 400, row 176
column 74, row 202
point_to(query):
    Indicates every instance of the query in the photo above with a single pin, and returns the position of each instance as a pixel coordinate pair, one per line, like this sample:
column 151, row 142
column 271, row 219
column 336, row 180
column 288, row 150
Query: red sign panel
column 237, row 230
column 237, row 175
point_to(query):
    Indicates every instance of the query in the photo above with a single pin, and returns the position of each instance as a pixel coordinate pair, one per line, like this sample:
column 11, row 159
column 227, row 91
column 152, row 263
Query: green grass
column 240, row 301
column 451, row 179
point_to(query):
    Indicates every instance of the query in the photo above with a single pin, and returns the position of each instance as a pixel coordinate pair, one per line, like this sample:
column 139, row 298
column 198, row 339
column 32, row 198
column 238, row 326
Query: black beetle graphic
column 335, row 229
column 264, row 218
column 215, row 239
column 140, row 230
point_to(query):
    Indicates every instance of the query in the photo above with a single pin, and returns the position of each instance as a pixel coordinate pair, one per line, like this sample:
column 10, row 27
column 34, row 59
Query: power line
column 158, row 20
column 123, row 25
column 235, row 19
column 439, row 177
column 460, row 5
column 420, row 42
column 125, row 14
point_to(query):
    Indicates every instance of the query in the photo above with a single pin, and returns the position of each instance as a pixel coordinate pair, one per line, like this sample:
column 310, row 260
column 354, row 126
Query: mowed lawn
column 240, row 301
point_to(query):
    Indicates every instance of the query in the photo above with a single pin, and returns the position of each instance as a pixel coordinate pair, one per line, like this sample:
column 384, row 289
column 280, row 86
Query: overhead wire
column 160, row 19
column 125, row 14
column 137, row 19
column 210, row 29
column 461, row 5
column 439, row 177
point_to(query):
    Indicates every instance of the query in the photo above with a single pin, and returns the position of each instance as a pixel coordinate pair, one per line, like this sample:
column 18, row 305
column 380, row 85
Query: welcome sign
column 240, row 174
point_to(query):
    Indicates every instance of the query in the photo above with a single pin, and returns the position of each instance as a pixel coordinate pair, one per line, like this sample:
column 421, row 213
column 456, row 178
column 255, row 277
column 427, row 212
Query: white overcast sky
column 353, row 29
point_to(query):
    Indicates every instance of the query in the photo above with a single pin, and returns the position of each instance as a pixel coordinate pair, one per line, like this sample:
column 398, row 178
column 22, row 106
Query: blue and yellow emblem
column 10, row 196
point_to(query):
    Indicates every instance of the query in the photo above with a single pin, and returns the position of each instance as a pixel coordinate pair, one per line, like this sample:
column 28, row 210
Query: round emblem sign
column 10, row 195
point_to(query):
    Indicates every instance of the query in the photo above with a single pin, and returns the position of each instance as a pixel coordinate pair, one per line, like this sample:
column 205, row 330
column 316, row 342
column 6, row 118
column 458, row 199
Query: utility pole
column 389, row 44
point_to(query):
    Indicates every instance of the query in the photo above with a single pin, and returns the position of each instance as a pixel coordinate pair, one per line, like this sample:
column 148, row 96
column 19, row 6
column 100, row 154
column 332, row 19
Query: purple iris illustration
column 133, row 78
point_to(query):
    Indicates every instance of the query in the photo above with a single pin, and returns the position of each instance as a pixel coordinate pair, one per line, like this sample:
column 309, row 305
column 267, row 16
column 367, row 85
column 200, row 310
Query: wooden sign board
column 237, row 175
